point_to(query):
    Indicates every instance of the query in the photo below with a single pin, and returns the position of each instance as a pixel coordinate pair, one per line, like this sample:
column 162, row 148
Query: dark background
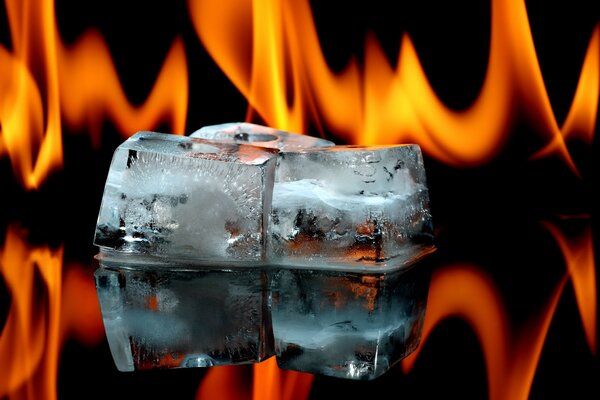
column 488, row 216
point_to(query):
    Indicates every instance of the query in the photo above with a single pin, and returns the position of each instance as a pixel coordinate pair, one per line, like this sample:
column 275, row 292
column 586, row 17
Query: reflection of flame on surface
column 579, row 257
column 44, row 309
column 41, row 80
column 467, row 293
column 267, row 382
column 80, row 312
column 511, row 355
column 31, row 332
column 270, row 48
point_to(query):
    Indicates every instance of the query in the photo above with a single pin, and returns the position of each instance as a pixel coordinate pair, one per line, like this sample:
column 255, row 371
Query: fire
column 45, row 308
column 578, row 252
column 32, row 330
column 266, row 382
column 271, row 383
column 511, row 355
column 270, row 48
column 80, row 316
column 511, row 358
column 92, row 92
column 270, row 51
column 42, row 81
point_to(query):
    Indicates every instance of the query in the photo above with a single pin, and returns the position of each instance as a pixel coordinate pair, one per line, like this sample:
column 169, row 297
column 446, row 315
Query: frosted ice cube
column 350, row 204
column 178, row 196
column 258, row 135
column 346, row 324
column 174, row 315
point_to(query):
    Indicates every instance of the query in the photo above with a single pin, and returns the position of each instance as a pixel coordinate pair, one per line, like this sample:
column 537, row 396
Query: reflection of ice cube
column 257, row 135
column 175, row 196
column 350, row 204
column 175, row 315
column 346, row 324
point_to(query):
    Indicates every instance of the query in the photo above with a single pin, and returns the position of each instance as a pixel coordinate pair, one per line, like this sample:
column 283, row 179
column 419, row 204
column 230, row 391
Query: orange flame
column 80, row 316
column 271, row 383
column 578, row 252
column 270, row 51
column 42, row 78
column 32, row 331
column 38, row 321
column 511, row 360
column 29, row 85
column 270, row 48
column 268, row 383
column 92, row 93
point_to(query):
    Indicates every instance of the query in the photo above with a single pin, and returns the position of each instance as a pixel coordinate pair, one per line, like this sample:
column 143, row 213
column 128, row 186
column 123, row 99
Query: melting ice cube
column 175, row 196
column 244, row 241
column 347, row 225
column 350, row 204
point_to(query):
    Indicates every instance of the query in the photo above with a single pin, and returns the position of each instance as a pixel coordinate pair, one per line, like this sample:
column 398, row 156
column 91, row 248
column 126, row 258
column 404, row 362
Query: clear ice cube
column 350, row 204
column 173, row 315
column 346, row 324
column 177, row 196
column 258, row 135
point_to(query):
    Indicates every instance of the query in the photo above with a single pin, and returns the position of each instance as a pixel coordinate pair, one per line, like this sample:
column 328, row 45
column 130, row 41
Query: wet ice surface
column 345, row 324
column 257, row 135
column 349, row 204
column 176, row 196
column 169, row 317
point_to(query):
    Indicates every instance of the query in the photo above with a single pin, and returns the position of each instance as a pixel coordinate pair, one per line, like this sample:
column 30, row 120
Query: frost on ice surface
column 258, row 135
column 177, row 196
column 349, row 204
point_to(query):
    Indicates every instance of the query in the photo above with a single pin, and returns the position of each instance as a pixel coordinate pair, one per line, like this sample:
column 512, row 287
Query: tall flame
column 30, row 90
column 270, row 51
column 42, row 80
column 270, row 48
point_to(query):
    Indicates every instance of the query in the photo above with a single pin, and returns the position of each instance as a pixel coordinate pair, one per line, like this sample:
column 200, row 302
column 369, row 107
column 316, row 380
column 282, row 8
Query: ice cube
column 176, row 196
column 350, row 204
column 346, row 324
column 176, row 315
column 258, row 135
column 205, row 240
column 347, row 225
